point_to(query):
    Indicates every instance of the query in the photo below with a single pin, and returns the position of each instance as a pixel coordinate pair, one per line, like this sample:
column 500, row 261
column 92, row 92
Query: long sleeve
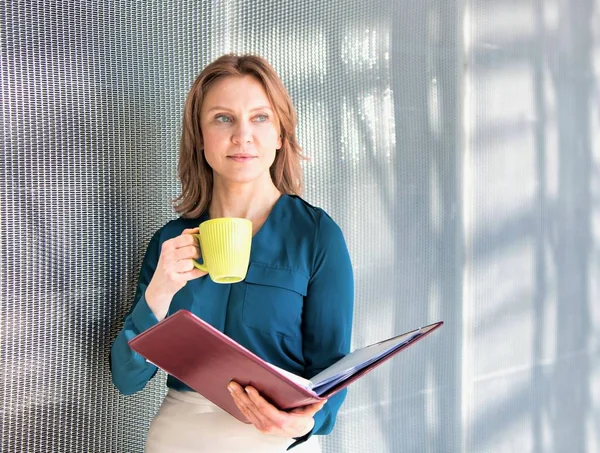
column 327, row 315
column 130, row 371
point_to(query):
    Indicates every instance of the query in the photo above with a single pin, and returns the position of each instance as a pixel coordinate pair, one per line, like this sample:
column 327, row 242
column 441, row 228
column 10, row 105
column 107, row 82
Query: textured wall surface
column 456, row 144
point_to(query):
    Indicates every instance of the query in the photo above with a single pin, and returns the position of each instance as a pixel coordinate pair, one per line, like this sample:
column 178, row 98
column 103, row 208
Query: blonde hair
column 195, row 174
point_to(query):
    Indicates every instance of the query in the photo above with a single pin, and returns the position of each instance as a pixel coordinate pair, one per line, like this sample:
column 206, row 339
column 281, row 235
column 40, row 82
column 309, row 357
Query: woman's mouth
column 241, row 157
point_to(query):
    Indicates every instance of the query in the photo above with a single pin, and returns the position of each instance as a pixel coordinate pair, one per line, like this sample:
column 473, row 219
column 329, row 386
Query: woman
column 239, row 158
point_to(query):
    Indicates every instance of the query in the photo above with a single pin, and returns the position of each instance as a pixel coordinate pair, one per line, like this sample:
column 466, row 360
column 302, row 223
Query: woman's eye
column 261, row 118
column 223, row 119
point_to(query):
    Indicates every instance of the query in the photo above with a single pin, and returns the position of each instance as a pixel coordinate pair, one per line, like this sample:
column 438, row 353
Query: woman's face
column 240, row 130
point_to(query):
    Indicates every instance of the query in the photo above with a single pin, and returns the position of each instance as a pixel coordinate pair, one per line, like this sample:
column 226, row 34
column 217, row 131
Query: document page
column 293, row 377
column 360, row 358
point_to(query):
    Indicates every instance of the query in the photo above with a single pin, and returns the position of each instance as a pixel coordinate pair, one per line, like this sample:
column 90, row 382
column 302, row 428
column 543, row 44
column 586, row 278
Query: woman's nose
column 242, row 133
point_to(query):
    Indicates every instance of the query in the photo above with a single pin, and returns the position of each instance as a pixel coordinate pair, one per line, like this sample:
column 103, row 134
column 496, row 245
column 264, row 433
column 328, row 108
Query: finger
column 246, row 412
column 263, row 407
column 188, row 270
column 184, row 253
column 238, row 392
column 191, row 233
column 178, row 242
column 185, row 239
column 183, row 266
column 244, row 405
column 193, row 274
column 268, row 421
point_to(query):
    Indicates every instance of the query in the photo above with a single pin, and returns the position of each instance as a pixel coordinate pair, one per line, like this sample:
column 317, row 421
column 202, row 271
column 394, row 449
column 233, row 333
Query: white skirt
column 188, row 423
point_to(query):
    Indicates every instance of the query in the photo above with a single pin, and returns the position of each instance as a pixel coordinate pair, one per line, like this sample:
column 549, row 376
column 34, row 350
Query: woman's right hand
column 173, row 270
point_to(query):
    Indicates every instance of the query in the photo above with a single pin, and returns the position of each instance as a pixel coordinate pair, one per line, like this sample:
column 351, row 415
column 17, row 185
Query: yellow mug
column 225, row 247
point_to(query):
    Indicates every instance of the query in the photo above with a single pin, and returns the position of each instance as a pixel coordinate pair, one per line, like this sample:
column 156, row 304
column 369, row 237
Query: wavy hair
column 195, row 175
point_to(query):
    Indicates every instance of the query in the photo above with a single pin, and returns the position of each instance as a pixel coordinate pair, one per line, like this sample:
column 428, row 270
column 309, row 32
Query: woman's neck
column 249, row 201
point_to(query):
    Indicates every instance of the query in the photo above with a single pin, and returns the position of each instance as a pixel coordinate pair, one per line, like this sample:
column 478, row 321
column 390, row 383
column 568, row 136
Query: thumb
column 311, row 409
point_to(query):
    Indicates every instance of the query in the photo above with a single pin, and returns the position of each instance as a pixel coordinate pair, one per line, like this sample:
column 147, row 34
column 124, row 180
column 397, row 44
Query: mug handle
column 198, row 265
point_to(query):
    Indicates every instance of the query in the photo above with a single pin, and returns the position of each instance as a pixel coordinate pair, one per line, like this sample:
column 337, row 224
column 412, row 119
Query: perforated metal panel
column 456, row 145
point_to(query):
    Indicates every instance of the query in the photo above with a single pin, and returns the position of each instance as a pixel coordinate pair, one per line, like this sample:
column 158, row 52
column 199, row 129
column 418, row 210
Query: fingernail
column 230, row 388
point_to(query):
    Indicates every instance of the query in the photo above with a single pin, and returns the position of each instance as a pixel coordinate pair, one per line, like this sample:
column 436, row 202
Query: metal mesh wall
column 455, row 144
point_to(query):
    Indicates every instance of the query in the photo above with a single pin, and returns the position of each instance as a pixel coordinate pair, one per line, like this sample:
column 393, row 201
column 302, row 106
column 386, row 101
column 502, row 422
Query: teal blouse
column 294, row 309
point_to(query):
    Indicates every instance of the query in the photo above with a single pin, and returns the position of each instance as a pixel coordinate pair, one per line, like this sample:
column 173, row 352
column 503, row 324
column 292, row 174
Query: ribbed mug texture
column 225, row 245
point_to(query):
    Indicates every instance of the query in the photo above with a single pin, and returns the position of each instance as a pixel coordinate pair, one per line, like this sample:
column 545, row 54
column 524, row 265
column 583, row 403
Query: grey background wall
column 456, row 144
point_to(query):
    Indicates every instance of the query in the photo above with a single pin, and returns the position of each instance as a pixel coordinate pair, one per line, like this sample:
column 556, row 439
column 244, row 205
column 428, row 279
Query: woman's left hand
column 270, row 420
